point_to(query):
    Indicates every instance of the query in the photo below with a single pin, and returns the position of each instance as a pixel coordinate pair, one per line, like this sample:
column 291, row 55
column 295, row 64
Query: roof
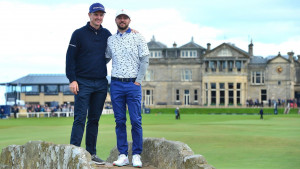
column 191, row 44
column 239, row 49
column 42, row 79
column 155, row 44
column 232, row 46
column 258, row 60
column 286, row 57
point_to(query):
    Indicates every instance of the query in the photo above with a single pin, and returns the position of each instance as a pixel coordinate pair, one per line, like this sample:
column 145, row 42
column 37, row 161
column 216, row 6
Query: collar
column 92, row 28
column 128, row 31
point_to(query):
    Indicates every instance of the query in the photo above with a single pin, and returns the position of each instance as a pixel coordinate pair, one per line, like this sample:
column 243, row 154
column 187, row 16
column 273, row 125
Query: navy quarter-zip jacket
column 86, row 53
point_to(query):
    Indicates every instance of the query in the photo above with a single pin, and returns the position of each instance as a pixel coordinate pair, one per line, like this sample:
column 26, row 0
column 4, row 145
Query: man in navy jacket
column 86, row 71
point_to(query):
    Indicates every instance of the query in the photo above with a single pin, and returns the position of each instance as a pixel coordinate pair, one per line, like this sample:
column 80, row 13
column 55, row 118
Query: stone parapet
column 43, row 155
column 165, row 154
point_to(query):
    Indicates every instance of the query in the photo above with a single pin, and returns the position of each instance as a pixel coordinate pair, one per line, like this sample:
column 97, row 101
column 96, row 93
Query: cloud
column 35, row 37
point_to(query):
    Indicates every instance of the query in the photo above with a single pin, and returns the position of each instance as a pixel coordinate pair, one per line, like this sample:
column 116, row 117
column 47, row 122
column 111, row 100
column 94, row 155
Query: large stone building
column 223, row 76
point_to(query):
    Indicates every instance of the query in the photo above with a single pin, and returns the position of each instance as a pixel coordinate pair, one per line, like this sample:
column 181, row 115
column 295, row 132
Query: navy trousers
column 123, row 93
column 88, row 105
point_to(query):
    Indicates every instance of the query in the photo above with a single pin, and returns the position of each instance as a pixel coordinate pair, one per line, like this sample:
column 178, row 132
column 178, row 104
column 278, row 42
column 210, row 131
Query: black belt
column 123, row 79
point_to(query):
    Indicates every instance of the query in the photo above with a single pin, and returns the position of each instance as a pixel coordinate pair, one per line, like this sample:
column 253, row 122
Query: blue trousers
column 88, row 105
column 123, row 93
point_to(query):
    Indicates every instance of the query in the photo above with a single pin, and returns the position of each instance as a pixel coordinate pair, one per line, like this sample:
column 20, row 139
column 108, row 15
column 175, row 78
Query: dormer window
column 188, row 53
column 155, row 54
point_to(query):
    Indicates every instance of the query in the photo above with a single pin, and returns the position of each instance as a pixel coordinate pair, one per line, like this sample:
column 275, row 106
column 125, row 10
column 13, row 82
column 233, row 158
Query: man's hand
column 74, row 87
column 136, row 83
column 134, row 31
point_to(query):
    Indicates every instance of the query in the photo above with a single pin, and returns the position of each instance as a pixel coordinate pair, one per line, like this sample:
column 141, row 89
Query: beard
column 122, row 27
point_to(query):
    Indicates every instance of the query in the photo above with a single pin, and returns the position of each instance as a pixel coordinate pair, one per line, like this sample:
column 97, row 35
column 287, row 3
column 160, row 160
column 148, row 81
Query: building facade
column 42, row 89
column 39, row 89
column 193, row 76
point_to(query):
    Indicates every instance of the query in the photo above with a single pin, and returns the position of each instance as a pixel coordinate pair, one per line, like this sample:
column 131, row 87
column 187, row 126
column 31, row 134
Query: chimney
column 291, row 56
column 250, row 49
column 174, row 45
column 153, row 38
column 208, row 47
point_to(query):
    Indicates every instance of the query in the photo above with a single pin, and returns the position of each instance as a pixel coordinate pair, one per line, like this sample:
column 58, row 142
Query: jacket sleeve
column 108, row 54
column 72, row 53
column 144, row 58
column 144, row 63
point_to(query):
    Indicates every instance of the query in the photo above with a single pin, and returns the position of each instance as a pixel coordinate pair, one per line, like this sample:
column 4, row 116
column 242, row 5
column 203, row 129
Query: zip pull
column 96, row 33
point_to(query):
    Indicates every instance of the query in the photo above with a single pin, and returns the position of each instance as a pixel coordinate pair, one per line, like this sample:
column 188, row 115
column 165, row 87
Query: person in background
column 275, row 108
column 2, row 113
column 177, row 113
column 261, row 112
column 15, row 110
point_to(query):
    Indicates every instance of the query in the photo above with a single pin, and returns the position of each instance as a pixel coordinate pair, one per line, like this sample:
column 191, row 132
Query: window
column 222, row 93
column 238, row 86
column 177, row 95
column 186, row 97
column 263, row 94
column 65, row 89
column 230, row 93
column 279, row 82
column 224, row 63
column 51, row 89
column 31, row 89
column 148, row 97
column 230, row 66
column 155, row 54
column 238, row 65
column 238, row 93
column 149, row 75
column 186, row 75
column 42, row 89
column 195, row 95
column 188, row 53
column 257, row 77
column 212, row 65
column 213, row 93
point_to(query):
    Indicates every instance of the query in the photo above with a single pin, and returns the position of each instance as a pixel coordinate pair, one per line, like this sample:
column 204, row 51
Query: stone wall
column 159, row 153
column 165, row 154
column 43, row 155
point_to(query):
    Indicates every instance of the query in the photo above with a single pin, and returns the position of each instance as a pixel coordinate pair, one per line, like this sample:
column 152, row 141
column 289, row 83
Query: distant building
column 223, row 76
column 39, row 89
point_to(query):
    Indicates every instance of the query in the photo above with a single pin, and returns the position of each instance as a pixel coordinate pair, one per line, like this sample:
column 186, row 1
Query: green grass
column 227, row 141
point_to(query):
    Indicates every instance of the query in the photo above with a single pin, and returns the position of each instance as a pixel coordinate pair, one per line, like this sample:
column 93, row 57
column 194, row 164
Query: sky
column 34, row 34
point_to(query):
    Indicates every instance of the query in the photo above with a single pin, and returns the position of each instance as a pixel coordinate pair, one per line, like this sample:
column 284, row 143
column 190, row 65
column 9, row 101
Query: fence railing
column 56, row 114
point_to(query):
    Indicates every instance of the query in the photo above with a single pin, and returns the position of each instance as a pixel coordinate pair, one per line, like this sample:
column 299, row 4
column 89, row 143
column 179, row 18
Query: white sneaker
column 122, row 160
column 136, row 161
